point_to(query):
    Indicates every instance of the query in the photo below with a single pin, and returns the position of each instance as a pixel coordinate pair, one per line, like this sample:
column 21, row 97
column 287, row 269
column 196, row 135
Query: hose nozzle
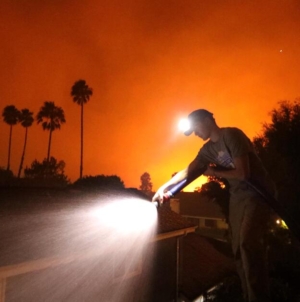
column 171, row 192
column 166, row 197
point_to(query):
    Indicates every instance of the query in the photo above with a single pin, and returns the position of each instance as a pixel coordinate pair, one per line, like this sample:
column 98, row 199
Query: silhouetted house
column 202, row 212
column 52, row 249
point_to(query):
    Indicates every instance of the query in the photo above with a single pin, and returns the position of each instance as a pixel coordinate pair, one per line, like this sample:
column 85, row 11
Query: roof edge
column 176, row 233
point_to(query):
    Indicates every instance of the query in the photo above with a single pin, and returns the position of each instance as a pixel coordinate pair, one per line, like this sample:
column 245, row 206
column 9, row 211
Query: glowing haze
column 149, row 64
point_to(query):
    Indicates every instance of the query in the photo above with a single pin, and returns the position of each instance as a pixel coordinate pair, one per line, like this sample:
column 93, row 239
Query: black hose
column 278, row 207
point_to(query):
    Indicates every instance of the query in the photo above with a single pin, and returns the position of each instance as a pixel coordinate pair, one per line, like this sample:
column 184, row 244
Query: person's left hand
column 210, row 171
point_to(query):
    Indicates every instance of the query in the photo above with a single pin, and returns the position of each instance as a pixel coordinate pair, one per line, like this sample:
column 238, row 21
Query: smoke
column 147, row 62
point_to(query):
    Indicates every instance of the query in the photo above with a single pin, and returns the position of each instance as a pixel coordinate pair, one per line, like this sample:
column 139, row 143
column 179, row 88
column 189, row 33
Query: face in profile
column 202, row 129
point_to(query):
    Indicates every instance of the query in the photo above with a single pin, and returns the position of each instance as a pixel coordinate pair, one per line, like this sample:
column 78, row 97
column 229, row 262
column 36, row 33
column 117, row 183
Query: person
column 228, row 153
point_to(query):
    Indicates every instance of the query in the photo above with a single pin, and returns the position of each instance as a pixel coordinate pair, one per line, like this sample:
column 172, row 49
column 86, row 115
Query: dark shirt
column 234, row 143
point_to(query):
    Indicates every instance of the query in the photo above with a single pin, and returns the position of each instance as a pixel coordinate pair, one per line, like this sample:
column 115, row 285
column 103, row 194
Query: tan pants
column 248, row 218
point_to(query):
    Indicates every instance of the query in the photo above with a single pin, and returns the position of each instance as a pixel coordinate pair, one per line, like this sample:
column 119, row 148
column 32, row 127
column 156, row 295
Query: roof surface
column 169, row 221
column 206, row 262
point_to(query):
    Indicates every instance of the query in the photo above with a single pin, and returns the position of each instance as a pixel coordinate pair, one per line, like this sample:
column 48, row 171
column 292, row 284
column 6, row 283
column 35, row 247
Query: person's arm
column 194, row 168
column 241, row 170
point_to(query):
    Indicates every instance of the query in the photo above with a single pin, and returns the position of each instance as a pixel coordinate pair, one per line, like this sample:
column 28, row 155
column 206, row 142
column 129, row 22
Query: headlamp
column 184, row 125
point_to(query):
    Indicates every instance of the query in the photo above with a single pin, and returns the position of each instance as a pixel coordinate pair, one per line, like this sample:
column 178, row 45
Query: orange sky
column 149, row 63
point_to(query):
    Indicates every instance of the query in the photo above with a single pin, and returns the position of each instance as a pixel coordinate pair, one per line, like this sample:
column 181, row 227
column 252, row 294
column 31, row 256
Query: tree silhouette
column 49, row 169
column 6, row 176
column 146, row 184
column 51, row 118
column 26, row 120
column 81, row 94
column 217, row 190
column 100, row 182
column 10, row 116
column 279, row 147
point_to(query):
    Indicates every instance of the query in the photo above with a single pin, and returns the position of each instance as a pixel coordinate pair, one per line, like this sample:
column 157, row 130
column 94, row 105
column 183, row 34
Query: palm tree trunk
column 23, row 153
column 9, row 148
column 81, row 144
column 49, row 145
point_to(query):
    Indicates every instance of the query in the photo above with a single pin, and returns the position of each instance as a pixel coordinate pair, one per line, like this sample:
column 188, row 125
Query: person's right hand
column 158, row 197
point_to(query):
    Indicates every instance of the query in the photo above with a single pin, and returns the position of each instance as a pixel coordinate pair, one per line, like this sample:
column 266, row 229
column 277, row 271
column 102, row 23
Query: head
column 202, row 123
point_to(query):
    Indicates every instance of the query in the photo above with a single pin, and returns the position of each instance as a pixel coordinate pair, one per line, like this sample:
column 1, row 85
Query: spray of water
column 98, row 250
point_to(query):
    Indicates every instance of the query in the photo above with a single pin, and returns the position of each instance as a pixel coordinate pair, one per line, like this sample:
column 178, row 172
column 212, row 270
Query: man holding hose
column 229, row 153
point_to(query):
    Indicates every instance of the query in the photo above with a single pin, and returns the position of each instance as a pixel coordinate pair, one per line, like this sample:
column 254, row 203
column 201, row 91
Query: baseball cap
column 196, row 115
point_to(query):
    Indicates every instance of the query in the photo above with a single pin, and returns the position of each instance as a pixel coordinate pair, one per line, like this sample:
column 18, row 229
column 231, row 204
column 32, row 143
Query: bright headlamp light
column 184, row 125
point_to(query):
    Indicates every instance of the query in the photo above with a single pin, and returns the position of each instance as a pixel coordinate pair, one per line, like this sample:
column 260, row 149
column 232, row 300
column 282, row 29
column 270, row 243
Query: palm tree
column 10, row 116
column 51, row 118
column 81, row 93
column 26, row 120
